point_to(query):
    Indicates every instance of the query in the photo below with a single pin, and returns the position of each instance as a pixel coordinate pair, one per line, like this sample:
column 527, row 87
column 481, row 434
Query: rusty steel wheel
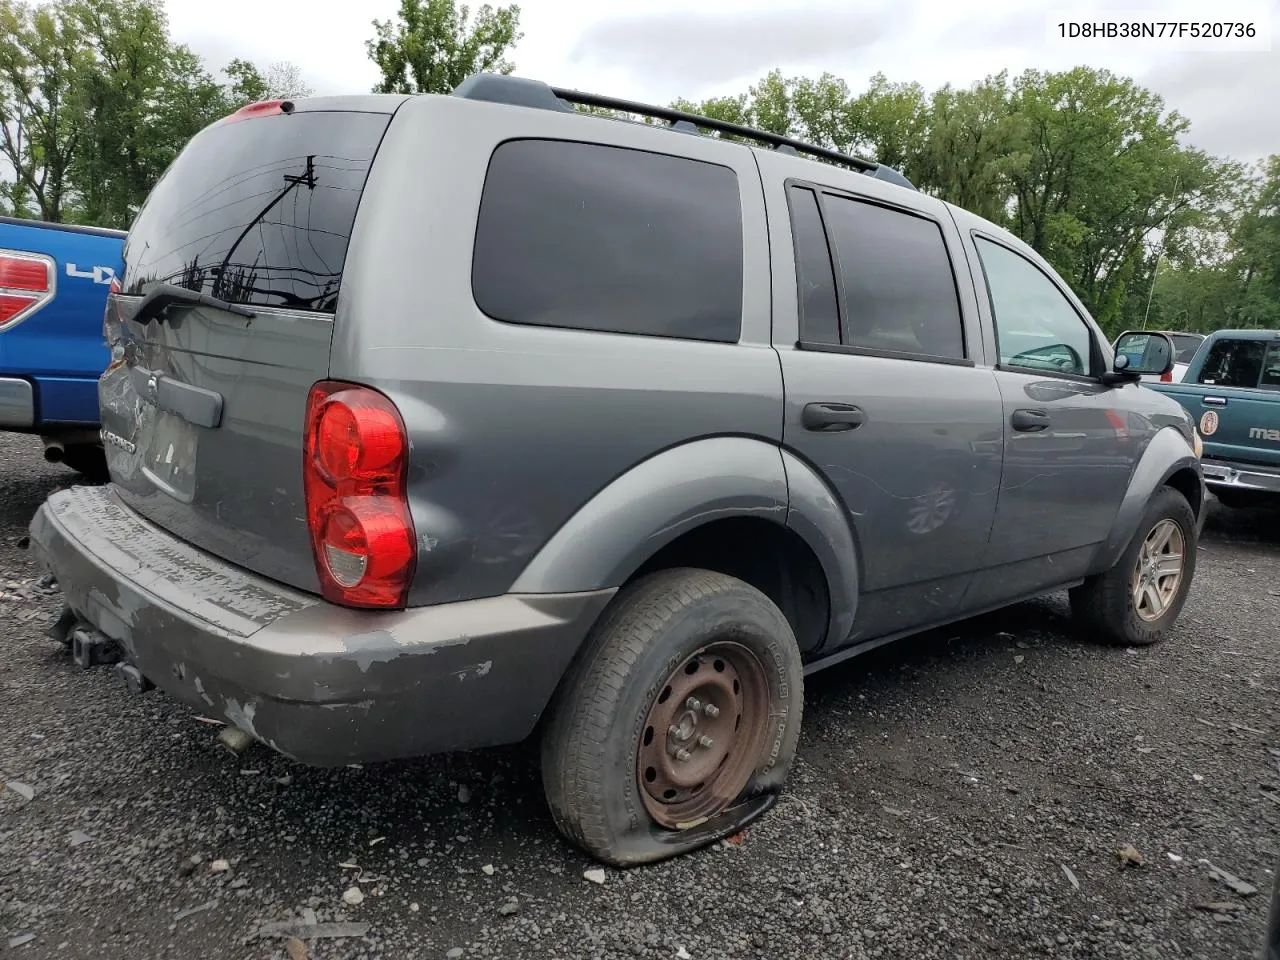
column 703, row 735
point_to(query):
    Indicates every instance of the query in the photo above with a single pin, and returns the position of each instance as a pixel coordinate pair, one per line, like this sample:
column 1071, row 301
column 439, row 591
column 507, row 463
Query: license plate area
column 169, row 455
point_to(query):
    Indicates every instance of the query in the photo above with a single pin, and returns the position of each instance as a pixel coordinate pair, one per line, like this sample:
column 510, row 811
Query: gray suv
column 437, row 422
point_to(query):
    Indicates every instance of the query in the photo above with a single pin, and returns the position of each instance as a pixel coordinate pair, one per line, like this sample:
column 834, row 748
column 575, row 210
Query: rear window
column 1234, row 363
column 611, row 239
column 258, row 210
column 1184, row 348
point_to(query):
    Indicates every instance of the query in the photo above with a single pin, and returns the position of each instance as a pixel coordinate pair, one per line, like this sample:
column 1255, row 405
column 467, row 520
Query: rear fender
column 1166, row 455
column 682, row 488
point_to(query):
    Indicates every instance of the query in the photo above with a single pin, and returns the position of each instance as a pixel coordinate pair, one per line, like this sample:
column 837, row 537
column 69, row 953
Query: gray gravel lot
column 963, row 794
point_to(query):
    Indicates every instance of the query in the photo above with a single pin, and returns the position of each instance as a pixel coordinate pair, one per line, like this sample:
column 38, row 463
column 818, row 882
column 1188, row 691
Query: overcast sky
column 657, row 50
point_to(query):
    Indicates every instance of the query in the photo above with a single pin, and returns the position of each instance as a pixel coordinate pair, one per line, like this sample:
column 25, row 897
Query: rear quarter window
column 592, row 237
column 258, row 210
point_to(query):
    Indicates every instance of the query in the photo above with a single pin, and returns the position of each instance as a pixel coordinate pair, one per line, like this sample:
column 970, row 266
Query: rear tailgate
column 203, row 407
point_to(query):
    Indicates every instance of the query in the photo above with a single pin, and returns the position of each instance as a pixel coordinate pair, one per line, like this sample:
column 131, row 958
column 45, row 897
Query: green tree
column 42, row 63
column 144, row 98
column 433, row 45
column 247, row 84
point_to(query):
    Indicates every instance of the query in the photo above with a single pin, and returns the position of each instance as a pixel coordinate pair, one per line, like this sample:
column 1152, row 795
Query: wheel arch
column 732, row 504
column 1167, row 461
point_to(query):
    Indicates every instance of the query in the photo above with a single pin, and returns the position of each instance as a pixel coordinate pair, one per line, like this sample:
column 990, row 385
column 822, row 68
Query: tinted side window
column 819, row 316
column 1233, row 363
column 605, row 238
column 1037, row 328
column 899, row 291
column 258, row 210
column 1271, row 369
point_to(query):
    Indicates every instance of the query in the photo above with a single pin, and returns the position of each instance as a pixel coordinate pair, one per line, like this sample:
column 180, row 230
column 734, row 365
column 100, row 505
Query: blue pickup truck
column 1232, row 389
column 54, row 280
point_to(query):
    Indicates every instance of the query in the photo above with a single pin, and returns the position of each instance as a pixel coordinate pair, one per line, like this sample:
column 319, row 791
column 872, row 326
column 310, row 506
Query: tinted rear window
column 1234, row 363
column 611, row 239
column 1184, row 348
column 259, row 210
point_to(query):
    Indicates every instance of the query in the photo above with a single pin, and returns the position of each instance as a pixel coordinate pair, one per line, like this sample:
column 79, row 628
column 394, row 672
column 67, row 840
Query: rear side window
column 819, row 315
column 258, row 210
column 898, row 289
column 591, row 237
column 1234, row 363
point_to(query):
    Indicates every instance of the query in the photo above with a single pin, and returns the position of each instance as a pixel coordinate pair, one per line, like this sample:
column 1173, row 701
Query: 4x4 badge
column 1209, row 423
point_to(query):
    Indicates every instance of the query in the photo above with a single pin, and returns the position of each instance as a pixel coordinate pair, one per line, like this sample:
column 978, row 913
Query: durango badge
column 1209, row 423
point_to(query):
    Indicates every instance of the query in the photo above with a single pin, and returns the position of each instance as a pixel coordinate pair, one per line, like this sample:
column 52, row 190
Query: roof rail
column 518, row 91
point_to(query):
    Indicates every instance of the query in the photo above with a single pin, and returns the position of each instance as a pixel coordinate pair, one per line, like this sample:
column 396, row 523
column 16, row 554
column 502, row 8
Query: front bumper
column 322, row 684
column 1231, row 475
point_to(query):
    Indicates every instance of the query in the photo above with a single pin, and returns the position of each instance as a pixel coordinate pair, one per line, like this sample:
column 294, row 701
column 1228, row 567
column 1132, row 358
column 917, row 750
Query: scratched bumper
column 322, row 684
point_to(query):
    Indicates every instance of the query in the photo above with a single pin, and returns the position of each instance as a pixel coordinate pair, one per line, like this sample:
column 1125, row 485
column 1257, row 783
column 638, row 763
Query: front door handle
column 831, row 417
column 1215, row 401
column 1029, row 421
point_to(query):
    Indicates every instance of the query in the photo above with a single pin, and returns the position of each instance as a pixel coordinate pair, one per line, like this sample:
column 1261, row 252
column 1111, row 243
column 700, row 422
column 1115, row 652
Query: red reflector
column 13, row 304
column 263, row 108
column 355, row 461
column 24, row 273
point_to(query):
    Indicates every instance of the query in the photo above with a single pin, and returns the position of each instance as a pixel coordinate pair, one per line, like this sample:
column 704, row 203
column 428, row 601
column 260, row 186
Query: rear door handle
column 831, row 417
column 1029, row 421
column 1215, row 401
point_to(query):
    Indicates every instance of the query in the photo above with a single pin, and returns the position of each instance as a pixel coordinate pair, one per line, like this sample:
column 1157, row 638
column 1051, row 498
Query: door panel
column 883, row 393
column 1062, row 483
column 918, row 475
column 1069, row 450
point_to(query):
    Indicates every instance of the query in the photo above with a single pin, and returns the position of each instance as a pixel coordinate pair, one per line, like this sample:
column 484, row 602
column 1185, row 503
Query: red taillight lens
column 356, row 456
column 1166, row 377
column 263, row 108
column 26, row 285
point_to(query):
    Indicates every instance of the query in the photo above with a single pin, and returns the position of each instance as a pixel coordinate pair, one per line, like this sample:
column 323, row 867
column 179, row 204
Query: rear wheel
column 1137, row 601
column 678, row 723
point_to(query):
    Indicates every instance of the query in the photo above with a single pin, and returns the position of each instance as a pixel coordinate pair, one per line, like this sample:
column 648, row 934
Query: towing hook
column 90, row 648
column 132, row 678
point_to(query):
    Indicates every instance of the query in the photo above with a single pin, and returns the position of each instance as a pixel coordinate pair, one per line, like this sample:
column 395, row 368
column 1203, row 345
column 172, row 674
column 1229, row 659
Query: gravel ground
column 963, row 794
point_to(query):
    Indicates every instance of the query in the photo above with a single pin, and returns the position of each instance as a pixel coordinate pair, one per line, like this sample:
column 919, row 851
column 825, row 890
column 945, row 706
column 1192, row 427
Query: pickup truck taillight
column 356, row 455
column 27, row 282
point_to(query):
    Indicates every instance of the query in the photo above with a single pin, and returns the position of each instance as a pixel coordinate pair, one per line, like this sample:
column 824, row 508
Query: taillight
column 356, row 455
column 26, row 284
column 1166, row 377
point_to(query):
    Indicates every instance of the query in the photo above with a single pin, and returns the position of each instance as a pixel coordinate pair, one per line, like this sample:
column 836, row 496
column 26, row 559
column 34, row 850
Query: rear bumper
column 321, row 684
column 17, row 404
column 1227, row 474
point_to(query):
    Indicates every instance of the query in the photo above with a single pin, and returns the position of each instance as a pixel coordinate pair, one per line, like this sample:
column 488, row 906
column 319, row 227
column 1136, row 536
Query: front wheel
column 678, row 723
column 1137, row 601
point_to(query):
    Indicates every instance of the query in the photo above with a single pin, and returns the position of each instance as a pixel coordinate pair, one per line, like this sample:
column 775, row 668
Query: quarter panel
column 514, row 428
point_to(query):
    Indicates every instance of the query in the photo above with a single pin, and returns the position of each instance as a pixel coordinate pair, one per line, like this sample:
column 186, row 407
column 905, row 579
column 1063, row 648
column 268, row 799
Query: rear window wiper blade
column 164, row 295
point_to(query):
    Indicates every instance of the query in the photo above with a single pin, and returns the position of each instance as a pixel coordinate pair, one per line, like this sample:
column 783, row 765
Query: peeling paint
column 242, row 717
column 476, row 670
column 366, row 649
column 204, row 696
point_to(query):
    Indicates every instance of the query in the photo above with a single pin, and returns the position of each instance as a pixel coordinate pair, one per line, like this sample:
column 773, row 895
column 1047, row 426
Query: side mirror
column 1139, row 353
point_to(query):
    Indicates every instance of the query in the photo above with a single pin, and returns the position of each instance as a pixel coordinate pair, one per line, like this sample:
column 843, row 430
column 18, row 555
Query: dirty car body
column 575, row 352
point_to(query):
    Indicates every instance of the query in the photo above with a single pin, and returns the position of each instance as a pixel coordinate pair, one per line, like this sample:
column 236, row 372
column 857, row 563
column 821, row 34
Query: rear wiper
column 164, row 295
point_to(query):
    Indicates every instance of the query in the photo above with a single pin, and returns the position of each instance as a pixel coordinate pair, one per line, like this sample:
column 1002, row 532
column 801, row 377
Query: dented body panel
column 318, row 683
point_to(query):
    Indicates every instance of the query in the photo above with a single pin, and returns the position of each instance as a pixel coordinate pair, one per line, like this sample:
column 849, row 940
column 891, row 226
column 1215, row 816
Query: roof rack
column 518, row 91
